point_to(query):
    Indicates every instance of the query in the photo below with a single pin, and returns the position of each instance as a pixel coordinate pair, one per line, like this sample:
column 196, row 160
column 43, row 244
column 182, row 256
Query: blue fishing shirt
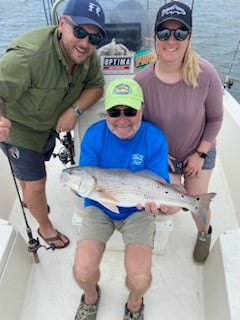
column 147, row 150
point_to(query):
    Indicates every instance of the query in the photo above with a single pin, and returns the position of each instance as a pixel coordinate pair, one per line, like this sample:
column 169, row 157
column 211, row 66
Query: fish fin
column 202, row 207
column 150, row 175
column 142, row 173
column 106, row 197
column 178, row 187
column 110, row 206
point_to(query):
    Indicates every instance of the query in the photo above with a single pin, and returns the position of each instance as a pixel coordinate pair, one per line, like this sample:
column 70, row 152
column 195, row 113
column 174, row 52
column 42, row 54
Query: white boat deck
column 180, row 290
column 177, row 287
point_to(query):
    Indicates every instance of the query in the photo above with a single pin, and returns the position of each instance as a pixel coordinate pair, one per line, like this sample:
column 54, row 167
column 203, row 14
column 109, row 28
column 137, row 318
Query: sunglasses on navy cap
column 81, row 33
column 179, row 34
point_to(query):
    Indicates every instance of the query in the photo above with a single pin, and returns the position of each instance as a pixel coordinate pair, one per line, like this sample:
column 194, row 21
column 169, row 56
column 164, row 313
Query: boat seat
column 128, row 34
column 221, row 274
column 7, row 237
column 15, row 264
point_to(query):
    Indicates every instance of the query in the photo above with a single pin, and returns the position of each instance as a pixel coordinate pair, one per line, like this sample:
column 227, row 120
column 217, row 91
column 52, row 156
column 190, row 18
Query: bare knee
column 138, row 281
column 84, row 271
column 138, row 262
column 87, row 260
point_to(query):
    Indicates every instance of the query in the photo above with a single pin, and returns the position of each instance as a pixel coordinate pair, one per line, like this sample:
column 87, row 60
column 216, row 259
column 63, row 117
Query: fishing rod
column 33, row 244
column 65, row 154
column 228, row 82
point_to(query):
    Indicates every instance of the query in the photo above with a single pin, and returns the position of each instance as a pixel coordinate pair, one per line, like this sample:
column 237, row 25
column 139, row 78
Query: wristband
column 202, row 154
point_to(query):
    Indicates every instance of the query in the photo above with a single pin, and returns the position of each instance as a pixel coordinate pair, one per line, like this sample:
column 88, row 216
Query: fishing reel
column 66, row 152
column 228, row 82
column 34, row 244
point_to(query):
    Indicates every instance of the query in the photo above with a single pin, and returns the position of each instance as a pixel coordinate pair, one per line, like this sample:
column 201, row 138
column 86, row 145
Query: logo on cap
column 173, row 10
column 122, row 89
column 92, row 6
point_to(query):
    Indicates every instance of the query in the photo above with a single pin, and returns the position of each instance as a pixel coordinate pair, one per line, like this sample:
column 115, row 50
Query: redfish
column 121, row 187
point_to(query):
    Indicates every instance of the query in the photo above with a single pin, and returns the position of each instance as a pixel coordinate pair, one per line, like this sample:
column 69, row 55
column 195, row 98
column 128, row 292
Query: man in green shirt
column 48, row 77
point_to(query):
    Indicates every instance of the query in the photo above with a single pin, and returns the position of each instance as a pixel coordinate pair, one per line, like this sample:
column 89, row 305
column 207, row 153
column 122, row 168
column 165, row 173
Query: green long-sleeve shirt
column 37, row 87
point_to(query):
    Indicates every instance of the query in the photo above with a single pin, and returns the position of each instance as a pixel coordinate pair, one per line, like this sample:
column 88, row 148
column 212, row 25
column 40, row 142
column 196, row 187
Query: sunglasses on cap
column 81, row 33
column 179, row 34
column 128, row 112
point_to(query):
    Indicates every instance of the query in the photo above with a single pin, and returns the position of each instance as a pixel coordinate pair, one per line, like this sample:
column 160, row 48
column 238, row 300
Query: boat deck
column 177, row 287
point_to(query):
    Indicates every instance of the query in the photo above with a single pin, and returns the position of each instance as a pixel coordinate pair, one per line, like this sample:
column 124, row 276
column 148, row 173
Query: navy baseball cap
column 174, row 10
column 86, row 12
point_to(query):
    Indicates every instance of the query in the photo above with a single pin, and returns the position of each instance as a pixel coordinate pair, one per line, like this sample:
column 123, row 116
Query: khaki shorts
column 139, row 227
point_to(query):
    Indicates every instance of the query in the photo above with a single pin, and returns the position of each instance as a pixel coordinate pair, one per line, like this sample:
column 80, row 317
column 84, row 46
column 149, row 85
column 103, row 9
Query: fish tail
column 202, row 207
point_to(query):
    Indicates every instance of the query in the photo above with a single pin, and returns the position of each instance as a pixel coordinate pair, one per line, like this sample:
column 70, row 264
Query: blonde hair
column 191, row 67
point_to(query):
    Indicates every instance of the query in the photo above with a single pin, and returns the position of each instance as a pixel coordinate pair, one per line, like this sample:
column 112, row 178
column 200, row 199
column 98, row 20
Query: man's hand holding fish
column 163, row 209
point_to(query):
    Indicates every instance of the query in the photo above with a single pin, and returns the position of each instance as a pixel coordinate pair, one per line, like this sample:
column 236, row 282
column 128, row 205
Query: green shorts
column 139, row 227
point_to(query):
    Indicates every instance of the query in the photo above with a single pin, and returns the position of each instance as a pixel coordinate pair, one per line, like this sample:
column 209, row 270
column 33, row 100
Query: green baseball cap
column 125, row 92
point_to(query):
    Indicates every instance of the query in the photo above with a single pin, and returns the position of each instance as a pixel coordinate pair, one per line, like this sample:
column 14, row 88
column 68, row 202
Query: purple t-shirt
column 185, row 114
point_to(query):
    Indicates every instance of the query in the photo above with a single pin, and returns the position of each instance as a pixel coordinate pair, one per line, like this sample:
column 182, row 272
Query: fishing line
column 192, row 5
column 46, row 9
